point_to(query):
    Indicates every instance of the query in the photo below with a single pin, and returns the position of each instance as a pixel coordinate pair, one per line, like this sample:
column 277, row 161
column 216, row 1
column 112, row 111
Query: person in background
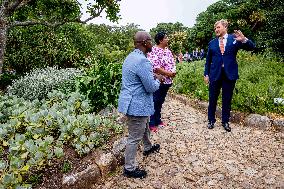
column 176, row 57
column 186, row 56
column 202, row 54
column 136, row 101
column 197, row 54
column 221, row 69
column 180, row 57
column 164, row 64
column 194, row 55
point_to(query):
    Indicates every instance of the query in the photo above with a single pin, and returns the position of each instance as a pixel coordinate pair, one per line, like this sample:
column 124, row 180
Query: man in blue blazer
column 221, row 69
column 136, row 101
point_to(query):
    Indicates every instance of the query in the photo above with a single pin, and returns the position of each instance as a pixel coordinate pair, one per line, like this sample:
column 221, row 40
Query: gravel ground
column 193, row 156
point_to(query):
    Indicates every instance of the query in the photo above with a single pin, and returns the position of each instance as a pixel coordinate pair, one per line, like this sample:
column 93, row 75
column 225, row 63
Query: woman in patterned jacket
column 164, row 64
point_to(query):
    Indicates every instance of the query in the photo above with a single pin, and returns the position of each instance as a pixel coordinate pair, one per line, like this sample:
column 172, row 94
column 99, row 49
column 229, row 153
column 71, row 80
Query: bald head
column 142, row 41
column 141, row 36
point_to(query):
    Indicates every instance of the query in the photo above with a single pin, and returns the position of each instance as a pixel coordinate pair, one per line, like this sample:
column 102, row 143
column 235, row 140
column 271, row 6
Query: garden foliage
column 101, row 84
column 38, row 83
column 261, row 80
column 32, row 133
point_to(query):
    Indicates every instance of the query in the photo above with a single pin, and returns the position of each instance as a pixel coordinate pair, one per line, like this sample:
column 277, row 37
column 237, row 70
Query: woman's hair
column 159, row 37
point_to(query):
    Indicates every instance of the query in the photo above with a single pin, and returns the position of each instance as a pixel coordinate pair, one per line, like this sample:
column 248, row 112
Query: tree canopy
column 260, row 20
column 50, row 13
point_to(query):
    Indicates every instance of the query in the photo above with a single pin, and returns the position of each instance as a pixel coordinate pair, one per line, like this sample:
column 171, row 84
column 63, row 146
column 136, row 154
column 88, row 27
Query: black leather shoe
column 154, row 148
column 226, row 127
column 210, row 125
column 137, row 173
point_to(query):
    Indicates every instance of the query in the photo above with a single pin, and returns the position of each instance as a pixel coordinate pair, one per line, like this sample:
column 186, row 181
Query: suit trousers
column 227, row 94
column 159, row 97
column 138, row 129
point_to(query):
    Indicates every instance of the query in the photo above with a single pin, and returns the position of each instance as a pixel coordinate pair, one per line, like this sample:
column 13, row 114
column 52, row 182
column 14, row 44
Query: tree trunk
column 3, row 39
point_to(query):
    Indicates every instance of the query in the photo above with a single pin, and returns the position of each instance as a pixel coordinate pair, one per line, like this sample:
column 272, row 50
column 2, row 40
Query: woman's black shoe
column 137, row 173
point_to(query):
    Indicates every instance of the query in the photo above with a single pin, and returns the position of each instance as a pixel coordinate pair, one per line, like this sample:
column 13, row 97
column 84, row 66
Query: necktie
column 222, row 48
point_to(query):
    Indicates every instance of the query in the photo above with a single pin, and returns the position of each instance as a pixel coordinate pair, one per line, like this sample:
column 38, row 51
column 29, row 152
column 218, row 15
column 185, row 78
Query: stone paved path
column 193, row 156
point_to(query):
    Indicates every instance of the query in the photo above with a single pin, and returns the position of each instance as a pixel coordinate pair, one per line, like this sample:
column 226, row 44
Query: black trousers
column 227, row 94
column 159, row 98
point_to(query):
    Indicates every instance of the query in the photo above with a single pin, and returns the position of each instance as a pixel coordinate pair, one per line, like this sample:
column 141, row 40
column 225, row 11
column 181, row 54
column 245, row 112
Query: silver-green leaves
column 39, row 82
column 35, row 131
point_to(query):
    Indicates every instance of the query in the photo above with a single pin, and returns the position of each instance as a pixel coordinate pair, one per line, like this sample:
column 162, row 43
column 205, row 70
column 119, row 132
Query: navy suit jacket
column 215, row 59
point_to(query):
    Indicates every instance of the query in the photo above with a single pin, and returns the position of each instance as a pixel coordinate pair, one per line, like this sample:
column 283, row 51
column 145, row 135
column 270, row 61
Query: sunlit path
column 193, row 156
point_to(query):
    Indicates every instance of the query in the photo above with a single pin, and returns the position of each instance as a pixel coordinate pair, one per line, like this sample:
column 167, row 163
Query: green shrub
column 66, row 46
column 101, row 83
column 6, row 80
column 34, row 132
column 261, row 80
column 66, row 167
column 39, row 46
column 39, row 82
column 189, row 80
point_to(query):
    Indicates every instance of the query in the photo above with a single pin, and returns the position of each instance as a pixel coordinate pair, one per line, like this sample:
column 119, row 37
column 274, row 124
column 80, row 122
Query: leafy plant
column 34, row 132
column 101, row 83
column 66, row 167
column 261, row 80
column 35, row 178
column 6, row 79
column 39, row 82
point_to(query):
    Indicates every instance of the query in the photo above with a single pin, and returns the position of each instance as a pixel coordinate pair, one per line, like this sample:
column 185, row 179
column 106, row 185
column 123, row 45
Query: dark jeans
column 227, row 94
column 159, row 98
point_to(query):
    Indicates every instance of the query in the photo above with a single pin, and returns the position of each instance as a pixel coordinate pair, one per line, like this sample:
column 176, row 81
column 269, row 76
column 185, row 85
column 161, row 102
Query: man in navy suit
column 221, row 69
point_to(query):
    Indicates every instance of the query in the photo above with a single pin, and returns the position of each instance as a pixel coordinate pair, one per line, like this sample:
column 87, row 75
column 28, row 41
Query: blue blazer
column 215, row 59
column 138, row 85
